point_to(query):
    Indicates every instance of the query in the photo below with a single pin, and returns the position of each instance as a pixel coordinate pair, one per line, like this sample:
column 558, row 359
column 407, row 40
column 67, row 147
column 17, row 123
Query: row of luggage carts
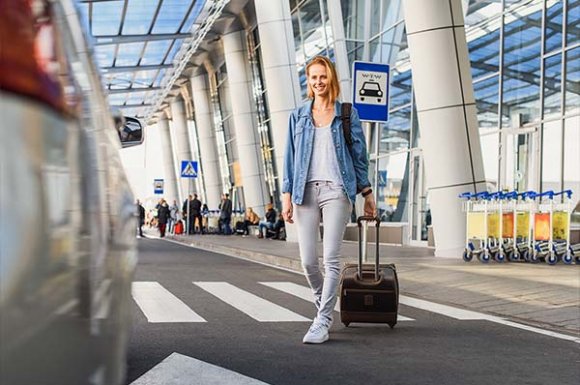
column 519, row 226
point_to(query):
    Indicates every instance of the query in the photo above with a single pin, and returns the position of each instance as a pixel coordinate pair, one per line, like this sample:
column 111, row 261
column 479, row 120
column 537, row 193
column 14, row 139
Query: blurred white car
column 67, row 223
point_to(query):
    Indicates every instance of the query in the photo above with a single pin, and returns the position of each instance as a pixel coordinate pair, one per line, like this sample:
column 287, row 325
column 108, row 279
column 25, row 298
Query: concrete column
column 341, row 57
column 182, row 149
column 280, row 75
column 243, row 110
column 447, row 114
column 207, row 144
column 170, row 182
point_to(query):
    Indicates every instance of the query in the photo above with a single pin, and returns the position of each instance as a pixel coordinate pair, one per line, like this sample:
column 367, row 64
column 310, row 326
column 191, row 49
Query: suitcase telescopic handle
column 359, row 222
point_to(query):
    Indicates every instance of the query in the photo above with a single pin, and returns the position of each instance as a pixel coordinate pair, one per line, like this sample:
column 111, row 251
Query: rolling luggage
column 179, row 227
column 369, row 293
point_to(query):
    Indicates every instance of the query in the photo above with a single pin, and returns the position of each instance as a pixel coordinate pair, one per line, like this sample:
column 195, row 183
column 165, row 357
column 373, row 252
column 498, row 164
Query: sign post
column 189, row 170
column 371, row 99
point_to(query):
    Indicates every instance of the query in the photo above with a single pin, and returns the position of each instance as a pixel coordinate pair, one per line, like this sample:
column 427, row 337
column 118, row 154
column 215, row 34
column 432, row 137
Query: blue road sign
column 371, row 91
column 158, row 186
column 383, row 178
column 188, row 169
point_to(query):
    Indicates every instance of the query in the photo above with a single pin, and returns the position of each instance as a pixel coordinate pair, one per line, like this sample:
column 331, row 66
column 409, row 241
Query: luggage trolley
column 561, row 213
column 495, row 211
column 543, row 241
column 476, row 239
column 508, row 240
column 524, row 210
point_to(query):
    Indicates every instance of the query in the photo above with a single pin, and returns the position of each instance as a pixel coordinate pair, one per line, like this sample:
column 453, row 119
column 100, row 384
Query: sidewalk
column 537, row 295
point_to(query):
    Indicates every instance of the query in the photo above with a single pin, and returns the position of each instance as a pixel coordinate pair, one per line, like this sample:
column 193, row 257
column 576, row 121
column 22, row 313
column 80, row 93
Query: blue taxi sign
column 371, row 91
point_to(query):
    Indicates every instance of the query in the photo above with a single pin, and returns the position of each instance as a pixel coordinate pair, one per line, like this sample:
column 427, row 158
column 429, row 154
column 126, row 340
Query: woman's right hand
column 287, row 207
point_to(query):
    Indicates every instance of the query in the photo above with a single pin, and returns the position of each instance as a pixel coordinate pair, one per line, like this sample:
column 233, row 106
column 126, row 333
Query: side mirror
column 130, row 132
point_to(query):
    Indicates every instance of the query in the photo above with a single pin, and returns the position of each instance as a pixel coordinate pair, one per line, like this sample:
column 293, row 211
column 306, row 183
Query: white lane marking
column 448, row 311
column 495, row 319
column 537, row 330
column 178, row 369
column 462, row 314
column 159, row 305
column 254, row 306
column 305, row 293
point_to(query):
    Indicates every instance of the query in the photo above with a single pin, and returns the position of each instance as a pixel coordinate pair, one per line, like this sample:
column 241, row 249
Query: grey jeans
column 330, row 200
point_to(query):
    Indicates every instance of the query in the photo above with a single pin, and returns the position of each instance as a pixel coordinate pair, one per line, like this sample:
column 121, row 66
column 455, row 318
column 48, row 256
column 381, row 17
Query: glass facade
column 222, row 120
column 524, row 61
column 260, row 94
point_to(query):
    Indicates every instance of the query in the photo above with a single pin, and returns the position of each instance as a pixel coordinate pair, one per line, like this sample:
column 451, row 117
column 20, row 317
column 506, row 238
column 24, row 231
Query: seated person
column 269, row 221
column 278, row 226
column 250, row 219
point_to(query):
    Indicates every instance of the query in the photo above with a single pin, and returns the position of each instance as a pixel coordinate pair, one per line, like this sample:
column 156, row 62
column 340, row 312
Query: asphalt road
column 430, row 349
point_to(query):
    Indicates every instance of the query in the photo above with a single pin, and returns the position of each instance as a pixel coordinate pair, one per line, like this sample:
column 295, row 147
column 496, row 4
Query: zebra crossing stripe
column 305, row 293
column 254, row 306
column 159, row 305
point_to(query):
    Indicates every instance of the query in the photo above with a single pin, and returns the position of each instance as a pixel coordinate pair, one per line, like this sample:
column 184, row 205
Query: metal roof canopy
column 143, row 46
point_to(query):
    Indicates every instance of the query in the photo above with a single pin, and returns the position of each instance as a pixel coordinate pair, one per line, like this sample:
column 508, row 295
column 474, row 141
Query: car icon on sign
column 371, row 89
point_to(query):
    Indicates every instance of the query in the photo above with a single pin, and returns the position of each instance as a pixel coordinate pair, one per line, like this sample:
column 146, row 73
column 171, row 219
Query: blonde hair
column 333, row 84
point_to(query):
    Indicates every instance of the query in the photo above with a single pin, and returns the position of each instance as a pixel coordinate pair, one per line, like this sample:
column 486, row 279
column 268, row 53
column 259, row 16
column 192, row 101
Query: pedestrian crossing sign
column 188, row 169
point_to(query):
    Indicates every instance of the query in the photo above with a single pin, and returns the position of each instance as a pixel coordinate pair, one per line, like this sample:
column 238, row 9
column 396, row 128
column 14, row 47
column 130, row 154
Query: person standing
column 323, row 175
column 196, row 213
column 173, row 213
column 225, row 214
column 141, row 216
column 187, row 211
column 163, row 216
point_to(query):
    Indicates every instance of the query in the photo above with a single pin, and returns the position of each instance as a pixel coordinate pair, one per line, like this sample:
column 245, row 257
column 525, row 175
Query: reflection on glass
column 375, row 25
column 400, row 88
column 521, row 72
column 355, row 50
column 353, row 15
column 484, row 53
column 486, row 98
column 297, row 38
column 572, row 155
column 482, row 10
column 551, row 156
column 390, row 180
column 390, row 45
column 395, row 133
column 573, row 80
column 553, row 37
column 489, row 152
column 573, row 23
column 552, row 84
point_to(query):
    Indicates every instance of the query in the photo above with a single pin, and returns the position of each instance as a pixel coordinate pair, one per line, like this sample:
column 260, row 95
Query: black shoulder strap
column 345, row 116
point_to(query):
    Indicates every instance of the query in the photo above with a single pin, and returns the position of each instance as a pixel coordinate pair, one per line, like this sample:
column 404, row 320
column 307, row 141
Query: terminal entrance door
column 419, row 214
column 521, row 160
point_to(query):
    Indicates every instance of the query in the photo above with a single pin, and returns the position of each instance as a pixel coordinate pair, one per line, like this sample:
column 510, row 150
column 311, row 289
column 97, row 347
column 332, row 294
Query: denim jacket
column 353, row 162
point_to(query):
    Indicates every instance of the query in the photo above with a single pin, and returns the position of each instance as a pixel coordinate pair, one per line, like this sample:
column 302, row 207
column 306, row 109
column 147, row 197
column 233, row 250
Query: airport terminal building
column 484, row 95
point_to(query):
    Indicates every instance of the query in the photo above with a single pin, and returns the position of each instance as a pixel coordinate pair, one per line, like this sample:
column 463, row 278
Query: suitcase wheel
column 346, row 324
column 392, row 325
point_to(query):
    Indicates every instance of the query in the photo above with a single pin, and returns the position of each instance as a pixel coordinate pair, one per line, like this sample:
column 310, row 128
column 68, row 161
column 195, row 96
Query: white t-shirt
column 324, row 164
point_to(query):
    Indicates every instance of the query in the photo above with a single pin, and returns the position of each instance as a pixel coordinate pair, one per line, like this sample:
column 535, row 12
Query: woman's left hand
column 370, row 208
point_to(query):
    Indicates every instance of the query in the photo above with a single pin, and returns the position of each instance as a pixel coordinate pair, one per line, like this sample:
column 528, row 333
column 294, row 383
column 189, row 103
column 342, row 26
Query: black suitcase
column 369, row 293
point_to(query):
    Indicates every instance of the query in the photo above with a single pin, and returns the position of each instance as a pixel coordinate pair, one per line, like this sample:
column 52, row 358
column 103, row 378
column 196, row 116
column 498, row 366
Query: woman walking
column 323, row 175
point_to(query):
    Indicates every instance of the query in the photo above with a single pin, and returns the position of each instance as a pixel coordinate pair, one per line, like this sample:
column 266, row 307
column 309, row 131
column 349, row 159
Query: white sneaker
column 317, row 334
